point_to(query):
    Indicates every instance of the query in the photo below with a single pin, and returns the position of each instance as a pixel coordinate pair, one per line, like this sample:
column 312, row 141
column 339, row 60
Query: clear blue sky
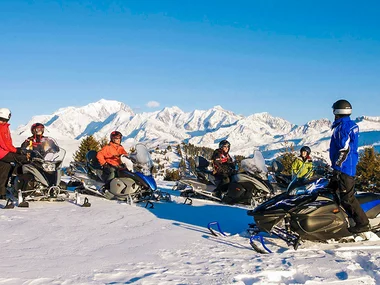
column 292, row 59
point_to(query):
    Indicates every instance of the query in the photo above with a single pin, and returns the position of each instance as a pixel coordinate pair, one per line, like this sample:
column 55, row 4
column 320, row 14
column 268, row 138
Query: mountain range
column 261, row 131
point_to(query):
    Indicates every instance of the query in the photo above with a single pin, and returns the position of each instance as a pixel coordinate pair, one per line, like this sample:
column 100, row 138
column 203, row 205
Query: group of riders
column 343, row 155
column 109, row 156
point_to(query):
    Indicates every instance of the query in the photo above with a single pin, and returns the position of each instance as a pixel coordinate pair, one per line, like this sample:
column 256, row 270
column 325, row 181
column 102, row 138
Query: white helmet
column 5, row 113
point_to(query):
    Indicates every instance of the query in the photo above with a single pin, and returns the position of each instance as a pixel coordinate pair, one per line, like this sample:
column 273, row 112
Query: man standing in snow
column 344, row 158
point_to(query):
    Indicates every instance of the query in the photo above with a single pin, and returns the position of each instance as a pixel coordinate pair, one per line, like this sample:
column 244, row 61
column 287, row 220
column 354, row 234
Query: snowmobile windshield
column 141, row 159
column 48, row 150
column 254, row 165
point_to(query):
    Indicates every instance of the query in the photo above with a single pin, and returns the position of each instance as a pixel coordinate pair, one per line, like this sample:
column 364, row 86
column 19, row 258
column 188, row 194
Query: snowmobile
column 250, row 186
column 311, row 211
column 132, row 183
column 44, row 171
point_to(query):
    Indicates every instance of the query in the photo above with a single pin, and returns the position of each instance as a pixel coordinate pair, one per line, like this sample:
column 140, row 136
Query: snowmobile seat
column 201, row 165
column 92, row 161
column 277, row 166
column 370, row 203
column 201, row 162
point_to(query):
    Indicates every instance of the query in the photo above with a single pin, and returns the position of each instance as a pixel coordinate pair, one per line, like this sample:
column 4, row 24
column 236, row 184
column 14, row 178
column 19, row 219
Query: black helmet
column 305, row 148
column 223, row 143
column 342, row 107
column 115, row 134
column 37, row 126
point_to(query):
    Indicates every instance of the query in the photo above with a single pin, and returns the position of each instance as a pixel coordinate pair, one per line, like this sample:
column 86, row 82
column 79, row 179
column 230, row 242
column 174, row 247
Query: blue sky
column 292, row 59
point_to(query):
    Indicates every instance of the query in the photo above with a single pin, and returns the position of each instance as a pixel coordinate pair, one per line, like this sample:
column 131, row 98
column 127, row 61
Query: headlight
column 48, row 167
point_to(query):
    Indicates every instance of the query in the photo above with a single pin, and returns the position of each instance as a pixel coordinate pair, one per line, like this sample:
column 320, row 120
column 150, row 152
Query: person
column 33, row 141
column 302, row 166
column 8, row 153
column 344, row 158
column 223, row 167
column 109, row 157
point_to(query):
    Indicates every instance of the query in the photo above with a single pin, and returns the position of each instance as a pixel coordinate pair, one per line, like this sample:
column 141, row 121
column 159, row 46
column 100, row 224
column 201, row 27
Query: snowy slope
column 114, row 243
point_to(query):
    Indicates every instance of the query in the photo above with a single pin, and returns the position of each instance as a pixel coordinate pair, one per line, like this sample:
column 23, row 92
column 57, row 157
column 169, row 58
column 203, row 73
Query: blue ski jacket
column 344, row 145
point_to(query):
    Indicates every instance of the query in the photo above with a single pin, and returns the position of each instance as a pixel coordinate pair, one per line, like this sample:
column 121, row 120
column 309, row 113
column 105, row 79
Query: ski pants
column 109, row 173
column 223, row 184
column 23, row 180
column 5, row 168
column 345, row 187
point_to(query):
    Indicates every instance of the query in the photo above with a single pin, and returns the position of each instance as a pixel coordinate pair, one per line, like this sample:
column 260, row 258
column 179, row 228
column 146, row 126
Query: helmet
column 223, row 143
column 342, row 107
column 37, row 127
column 5, row 114
column 115, row 134
column 305, row 148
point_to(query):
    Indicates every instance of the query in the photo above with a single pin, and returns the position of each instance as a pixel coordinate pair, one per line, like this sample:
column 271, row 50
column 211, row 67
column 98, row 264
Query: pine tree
column 287, row 158
column 172, row 175
column 88, row 143
column 103, row 142
column 182, row 166
column 178, row 149
column 238, row 159
column 368, row 171
column 191, row 163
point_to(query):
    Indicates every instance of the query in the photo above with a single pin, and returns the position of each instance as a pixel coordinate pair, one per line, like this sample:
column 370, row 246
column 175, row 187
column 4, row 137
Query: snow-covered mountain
column 200, row 127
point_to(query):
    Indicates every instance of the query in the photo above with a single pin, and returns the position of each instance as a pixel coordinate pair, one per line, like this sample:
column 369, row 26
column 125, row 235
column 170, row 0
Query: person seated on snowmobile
column 8, row 153
column 224, row 167
column 109, row 157
column 302, row 167
column 33, row 141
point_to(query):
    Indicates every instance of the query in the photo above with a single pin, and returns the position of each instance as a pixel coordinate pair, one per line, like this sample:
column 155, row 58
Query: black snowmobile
column 308, row 212
column 250, row 186
column 44, row 176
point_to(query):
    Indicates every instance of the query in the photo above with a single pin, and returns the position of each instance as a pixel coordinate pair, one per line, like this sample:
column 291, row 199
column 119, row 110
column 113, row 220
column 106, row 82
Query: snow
column 115, row 243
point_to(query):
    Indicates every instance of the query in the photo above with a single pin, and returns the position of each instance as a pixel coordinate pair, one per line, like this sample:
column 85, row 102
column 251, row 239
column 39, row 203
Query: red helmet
column 115, row 134
column 36, row 128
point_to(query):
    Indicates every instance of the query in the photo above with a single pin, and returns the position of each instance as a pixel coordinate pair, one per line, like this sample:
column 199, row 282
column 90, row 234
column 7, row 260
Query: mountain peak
column 202, row 127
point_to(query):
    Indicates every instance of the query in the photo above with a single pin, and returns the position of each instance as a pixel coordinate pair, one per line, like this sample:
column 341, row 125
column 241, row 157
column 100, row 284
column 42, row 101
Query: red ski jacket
column 110, row 154
column 6, row 144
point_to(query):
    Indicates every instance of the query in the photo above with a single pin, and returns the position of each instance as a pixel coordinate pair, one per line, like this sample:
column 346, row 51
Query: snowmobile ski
column 220, row 232
column 264, row 249
column 9, row 204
